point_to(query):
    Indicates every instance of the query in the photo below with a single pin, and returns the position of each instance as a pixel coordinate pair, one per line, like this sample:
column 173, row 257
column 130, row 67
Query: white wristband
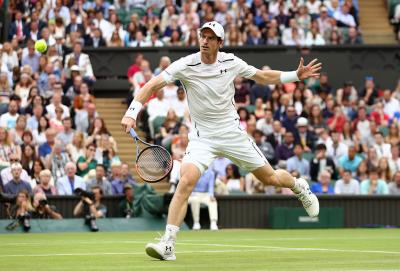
column 134, row 109
column 289, row 77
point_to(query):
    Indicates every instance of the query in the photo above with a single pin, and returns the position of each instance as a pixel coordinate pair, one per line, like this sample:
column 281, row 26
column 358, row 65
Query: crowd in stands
column 140, row 23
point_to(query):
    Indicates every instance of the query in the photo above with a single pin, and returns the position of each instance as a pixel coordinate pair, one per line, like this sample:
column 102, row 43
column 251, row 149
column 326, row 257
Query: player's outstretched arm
column 276, row 77
column 129, row 119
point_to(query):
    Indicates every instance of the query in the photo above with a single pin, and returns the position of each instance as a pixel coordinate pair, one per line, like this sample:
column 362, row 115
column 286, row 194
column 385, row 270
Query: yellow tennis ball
column 41, row 46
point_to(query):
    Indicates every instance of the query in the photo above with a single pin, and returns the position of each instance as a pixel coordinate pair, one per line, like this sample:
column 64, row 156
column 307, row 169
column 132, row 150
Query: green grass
column 345, row 249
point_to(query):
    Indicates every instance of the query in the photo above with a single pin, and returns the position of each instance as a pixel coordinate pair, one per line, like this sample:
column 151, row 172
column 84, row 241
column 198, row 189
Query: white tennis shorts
column 237, row 146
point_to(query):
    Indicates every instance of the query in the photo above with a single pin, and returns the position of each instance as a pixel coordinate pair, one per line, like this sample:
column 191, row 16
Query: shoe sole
column 153, row 253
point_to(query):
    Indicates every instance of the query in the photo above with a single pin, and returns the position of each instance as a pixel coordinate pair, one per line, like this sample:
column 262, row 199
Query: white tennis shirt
column 210, row 90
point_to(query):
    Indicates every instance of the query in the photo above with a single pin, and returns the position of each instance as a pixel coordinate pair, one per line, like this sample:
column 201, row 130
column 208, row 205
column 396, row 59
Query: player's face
column 209, row 42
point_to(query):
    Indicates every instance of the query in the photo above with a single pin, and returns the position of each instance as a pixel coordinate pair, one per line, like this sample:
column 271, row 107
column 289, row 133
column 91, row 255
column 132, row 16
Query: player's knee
column 185, row 187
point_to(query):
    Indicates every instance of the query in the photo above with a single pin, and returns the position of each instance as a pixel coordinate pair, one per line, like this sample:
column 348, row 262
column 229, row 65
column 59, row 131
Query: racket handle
column 133, row 133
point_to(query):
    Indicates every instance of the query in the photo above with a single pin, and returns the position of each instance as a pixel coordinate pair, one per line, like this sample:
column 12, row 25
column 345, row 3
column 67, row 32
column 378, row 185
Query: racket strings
column 154, row 163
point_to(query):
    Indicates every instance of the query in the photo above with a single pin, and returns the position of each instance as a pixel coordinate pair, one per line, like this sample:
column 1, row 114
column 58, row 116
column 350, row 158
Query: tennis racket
column 153, row 163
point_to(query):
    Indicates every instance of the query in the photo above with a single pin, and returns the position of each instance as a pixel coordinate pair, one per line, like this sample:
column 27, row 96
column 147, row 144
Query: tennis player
column 207, row 77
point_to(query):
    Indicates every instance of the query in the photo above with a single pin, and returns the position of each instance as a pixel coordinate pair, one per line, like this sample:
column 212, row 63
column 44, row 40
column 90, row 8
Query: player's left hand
column 311, row 70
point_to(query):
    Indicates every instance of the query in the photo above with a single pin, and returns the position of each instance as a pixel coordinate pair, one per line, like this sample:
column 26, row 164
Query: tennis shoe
column 308, row 199
column 163, row 250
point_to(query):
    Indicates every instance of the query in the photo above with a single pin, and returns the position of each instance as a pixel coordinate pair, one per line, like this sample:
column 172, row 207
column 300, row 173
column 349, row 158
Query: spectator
column 157, row 107
column 76, row 148
column 351, row 161
column 353, row 37
column 57, row 160
column 21, row 211
column 42, row 209
column 100, row 181
column 347, row 185
column 276, row 137
column 297, row 162
column 16, row 185
column 83, row 61
column 87, row 162
column 126, row 205
column 67, row 134
column 391, row 105
column 28, row 156
column 344, row 18
column 382, row 148
column 67, row 184
column 125, row 178
column 203, row 193
column 394, row 185
column 374, row 185
column 284, row 150
column 9, row 119
column 304, row 136
column 265, row 124
column 265, row 147
column 47, row 147
column 45, row 186
column 234, row 182
column 321, row 162
column 394, row 160
column 384, row 169
column 324, row 185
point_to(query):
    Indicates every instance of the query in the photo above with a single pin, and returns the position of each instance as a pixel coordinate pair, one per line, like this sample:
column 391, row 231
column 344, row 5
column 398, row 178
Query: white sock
column 296, row 188
column 171, row 231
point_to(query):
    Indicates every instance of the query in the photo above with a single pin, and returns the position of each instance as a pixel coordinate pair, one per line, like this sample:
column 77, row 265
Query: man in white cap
column 207, row 77
column 304, row 136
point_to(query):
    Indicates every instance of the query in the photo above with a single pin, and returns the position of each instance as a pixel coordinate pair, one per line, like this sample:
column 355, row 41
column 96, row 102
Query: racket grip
column 133, row 133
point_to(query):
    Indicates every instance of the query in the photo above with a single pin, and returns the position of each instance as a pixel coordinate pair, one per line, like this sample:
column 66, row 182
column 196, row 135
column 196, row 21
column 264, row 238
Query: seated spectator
column 44, row 186
column 125, row 178
column 297, row 162
column 126, row 206
column 169, row 129
column 56, row 122
column 67, row 134
column 233, row 182
column 203, row 193
column 100, row 181
column 56, row 103
column 28, row 156
column 7, row 148
column 6, row 172
column 57, row 160
column 347, row 185
column 91, row 208
column 9, row 120
column 106, row 151
column 344, row 18
column 336, row 122
column 374, row 185
column 87, row 162
column 304, row 136
column 394, row 185
column 42, row 209
column 76, row 148
column 351, row 161
column 277, row 135
column 33, row 121
column 83, row 61
column 68, row 183
column 324, row 185
column 394, row 160
column 384, row 169
column 391, row 105
column 265, row 124
column 382, row 148
column 265, row 147
column 157, row 107
column 39, row 134
column 285, row 150
column 321, row 162
column 393, row 138
column 16, row 185
column 354, row 37
column 180, row 104
column 259, row 110
column 38, row 166
column 47, row 147
column 85, row 117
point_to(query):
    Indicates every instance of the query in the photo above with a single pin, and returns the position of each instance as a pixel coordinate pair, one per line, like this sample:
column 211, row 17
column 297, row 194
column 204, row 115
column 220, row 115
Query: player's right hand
column 128, row 123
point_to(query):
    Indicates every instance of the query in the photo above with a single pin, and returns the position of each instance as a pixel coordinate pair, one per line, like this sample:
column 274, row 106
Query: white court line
column 140, row 241
column 295, row 249
column 128, row 253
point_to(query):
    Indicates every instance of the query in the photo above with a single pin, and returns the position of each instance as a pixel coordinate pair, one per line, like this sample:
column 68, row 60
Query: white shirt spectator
column 170, row 93
column 317, row 40
column 84, row 64
column 106, row 28
column 64, row 186
column 156, row 108
column 265, row 127
column 347, row 19
column 11, row 60
column 180, row 107
column 313, row 8
column 391, row 107
column 336, row 152
column 51, row 111
column 382, row 150
column 8, row 121
column 351, row 188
